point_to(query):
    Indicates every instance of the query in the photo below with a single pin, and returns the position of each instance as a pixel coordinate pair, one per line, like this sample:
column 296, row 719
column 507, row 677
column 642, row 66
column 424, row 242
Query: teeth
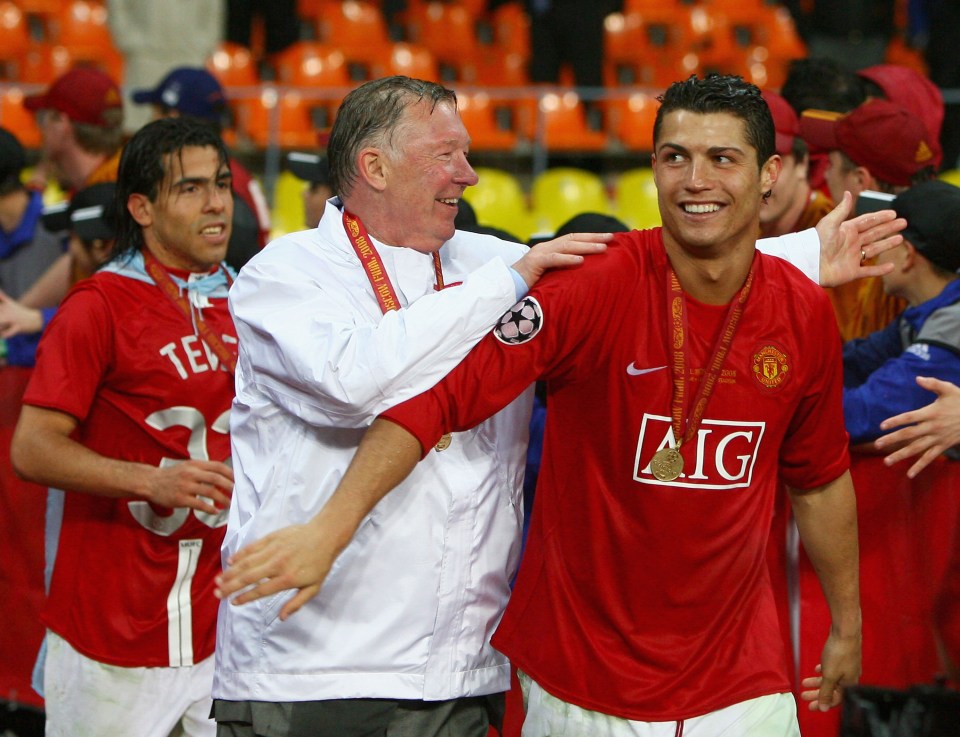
column 701, row 208
column 450, row 200
column 213, row 230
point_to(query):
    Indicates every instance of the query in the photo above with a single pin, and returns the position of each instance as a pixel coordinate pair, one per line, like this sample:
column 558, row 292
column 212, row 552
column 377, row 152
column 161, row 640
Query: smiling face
column 188, row 225
column 424, row 173
column 709, row 184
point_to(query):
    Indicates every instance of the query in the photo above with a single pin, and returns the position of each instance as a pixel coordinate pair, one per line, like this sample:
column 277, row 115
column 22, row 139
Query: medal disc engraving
column 667, row 464
column 444, row 442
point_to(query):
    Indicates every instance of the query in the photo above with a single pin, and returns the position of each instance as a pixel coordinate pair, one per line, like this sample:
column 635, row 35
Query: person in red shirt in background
column 879, row 146
column 793, row 204
column 80, row 117
column 195, row 92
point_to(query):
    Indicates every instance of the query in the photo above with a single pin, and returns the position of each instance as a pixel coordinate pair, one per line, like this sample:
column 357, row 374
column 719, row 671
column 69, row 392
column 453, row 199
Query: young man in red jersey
column 127, row 412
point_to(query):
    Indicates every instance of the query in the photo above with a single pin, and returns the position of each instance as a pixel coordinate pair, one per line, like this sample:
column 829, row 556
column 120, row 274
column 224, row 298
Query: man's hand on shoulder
column 848, row 246
column 561, row 253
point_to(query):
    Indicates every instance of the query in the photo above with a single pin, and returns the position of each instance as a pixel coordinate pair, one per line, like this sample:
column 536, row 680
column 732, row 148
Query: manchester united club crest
column 770, row 366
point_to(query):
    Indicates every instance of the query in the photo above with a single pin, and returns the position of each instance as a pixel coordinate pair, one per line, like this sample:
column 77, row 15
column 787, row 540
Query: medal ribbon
column 172, row 292
column 380, row 281
column 370, row 259
column 677, row 310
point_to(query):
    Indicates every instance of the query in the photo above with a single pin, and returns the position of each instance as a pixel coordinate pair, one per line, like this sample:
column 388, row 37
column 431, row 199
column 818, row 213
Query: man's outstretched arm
column 300, row 556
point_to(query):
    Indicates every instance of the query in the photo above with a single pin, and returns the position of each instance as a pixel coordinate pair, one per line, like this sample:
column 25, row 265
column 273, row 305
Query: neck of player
column 710, row 275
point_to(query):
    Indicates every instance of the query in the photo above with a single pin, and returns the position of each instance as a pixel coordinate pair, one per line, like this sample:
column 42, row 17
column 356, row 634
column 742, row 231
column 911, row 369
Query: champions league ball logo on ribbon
column 520, row 323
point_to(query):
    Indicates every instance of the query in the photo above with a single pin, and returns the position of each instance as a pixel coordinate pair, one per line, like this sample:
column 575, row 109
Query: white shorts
column 87, row 697
column 547, row 716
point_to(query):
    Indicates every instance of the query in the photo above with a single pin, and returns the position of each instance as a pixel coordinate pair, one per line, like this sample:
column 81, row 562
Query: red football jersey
column 639, row 598
column 133, row 583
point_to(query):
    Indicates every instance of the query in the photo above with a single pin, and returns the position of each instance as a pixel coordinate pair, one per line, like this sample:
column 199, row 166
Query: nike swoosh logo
column 634, row 371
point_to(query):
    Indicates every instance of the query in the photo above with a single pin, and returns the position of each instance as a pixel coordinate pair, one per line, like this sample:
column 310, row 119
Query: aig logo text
column 722, row 457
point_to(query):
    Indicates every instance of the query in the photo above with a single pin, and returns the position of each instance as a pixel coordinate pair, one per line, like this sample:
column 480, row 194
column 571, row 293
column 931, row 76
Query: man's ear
column 770, row 173
column 373, row 168
column 865, row 179
column 910, row 257
column 140, row 209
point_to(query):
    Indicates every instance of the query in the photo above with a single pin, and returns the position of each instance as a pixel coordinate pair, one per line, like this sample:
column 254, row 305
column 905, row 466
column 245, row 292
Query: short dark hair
column 369, row 115
column 721, row 93
column 143, row 166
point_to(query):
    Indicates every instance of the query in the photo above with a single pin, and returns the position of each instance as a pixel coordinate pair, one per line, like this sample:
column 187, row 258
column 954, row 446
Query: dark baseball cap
column 89, row 213
column 312, row 168
column 887, row 139
column 932, row 212
column 189, row 91
column 12, row 156
column 83, row 94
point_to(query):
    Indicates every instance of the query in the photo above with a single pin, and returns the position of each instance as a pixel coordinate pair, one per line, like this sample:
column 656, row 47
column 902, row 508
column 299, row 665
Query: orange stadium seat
column 411, row 60
column 564, row 123
column 14, row 31
column 277, row 118
column 359, row 29
column 44, row 62
column 482, row 119
column 500, row 68
column 16, row 118
column 310, row 65
column 630, row 120
column 81, row 26
column 233, row 65
column 311, row 10
column 511, row 28
column 447, row 29
column 655, row 47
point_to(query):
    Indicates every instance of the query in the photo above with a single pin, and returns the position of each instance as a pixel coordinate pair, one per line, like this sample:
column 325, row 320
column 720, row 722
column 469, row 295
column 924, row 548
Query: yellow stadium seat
column 951, row 176
column 287, row 214
column 636, row 198
column 498, row 201
column 560, row 193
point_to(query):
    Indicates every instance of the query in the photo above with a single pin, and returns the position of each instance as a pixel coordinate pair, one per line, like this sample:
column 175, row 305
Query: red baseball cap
column 785, row 121
column 887, row 139
column 912, row 90
column 83, row 94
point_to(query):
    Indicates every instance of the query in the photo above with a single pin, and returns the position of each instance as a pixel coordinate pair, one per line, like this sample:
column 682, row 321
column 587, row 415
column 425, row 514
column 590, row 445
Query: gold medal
column 445, row 441
column 667, row 464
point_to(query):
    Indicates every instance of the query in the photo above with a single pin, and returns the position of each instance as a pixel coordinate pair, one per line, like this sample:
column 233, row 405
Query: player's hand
column 847, row 246
column 929, row 430
column 202, row 485
column 295, row 557
column 840, row 667
column 560, row 253
column 15, row 319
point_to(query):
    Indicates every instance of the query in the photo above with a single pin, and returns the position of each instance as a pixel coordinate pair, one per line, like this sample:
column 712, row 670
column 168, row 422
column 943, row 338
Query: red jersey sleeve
column 557, row 330
column 76, row 350
column 815, row 450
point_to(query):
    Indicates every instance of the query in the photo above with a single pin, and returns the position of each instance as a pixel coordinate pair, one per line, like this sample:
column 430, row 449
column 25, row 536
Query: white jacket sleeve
column 322, row 351
column 800, row 249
